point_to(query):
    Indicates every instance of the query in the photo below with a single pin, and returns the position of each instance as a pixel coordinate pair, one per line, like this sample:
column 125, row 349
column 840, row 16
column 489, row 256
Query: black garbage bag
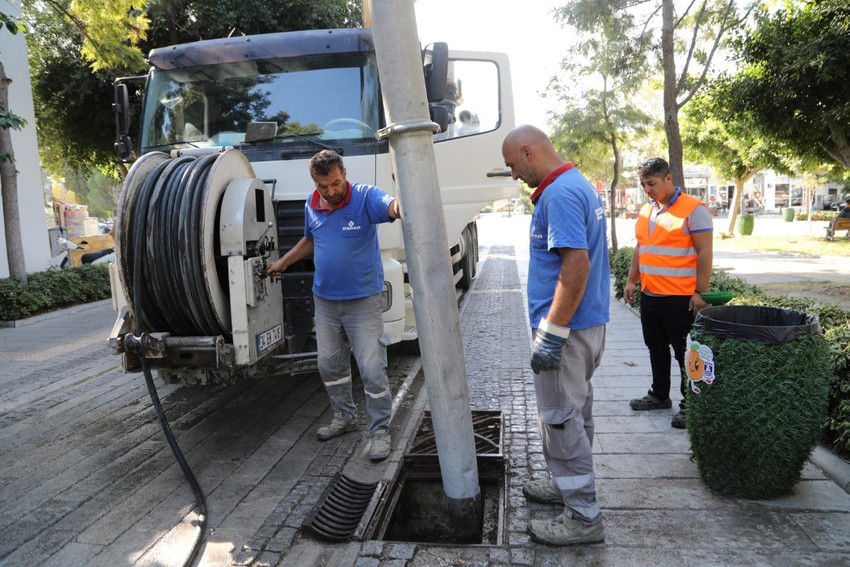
column 759, row 387
column 758, row 324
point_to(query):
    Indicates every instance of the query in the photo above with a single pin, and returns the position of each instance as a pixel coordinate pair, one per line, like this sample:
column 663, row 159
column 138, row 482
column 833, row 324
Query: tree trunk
column 612, row 194
column 9, row 192
column 671, row 107
column 734, row 208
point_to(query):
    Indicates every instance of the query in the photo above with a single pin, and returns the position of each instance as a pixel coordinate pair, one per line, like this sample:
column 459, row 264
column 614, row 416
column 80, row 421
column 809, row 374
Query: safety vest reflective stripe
column 668, row 250
column 671, row 272
column 667, row 257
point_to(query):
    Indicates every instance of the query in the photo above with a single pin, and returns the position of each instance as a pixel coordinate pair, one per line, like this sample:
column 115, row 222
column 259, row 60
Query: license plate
column 269, row 339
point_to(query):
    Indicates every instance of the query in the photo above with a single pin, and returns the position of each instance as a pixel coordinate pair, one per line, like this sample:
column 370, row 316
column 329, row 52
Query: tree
column 795, row 78
column 693, row 35
column 596, row 122
column 733, row 146
column 8, row 173
column 73, row 100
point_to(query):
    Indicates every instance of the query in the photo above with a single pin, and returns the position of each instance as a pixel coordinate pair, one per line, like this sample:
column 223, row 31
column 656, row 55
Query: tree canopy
column 732, row 145
column 795, row 78
column 682, row 36
column 73, row 63
column 599, row 116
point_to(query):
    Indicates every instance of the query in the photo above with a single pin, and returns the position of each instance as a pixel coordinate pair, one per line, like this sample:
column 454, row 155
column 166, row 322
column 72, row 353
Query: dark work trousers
column 666, row 322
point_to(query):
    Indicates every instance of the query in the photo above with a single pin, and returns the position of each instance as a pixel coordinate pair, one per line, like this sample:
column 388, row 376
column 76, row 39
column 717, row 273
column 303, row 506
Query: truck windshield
column 270, row 101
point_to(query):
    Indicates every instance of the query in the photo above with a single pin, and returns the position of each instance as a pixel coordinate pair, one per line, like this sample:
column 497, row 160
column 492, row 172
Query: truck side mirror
column 121, row 108
column 439, row 115
column 435, row 64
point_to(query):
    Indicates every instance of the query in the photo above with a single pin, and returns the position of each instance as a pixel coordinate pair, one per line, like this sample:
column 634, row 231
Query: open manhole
column 416, row 509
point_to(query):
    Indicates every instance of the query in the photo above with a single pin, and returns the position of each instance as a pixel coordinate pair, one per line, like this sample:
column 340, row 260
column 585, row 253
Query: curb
column 832, row 466
column 81, row 307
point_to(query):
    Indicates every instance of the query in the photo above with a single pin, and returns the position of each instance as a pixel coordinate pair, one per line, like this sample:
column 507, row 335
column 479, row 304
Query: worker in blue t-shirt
column 568, row 300
column 340, row 231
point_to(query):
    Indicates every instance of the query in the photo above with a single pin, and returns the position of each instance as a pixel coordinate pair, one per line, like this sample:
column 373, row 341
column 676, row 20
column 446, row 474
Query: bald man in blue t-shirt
column 568, row 299
column 340, row 231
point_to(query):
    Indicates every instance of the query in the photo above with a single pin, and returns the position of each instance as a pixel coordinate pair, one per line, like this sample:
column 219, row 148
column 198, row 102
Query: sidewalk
column 657, row 511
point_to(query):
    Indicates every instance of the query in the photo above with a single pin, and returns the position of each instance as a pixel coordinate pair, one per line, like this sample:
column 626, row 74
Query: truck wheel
column 409, row 347
column 467, row 262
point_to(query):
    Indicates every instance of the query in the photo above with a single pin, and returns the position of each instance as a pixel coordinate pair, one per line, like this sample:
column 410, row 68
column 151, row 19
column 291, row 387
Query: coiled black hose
column 165, row 256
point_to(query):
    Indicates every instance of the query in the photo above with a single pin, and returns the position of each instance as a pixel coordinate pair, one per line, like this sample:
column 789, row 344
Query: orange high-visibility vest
column 668, row 259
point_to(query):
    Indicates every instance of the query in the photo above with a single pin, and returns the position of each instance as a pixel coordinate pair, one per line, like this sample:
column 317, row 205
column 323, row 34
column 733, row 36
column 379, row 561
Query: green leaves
column 11, row 24
column 11, row 120
column 50, row 290
column 795, row 79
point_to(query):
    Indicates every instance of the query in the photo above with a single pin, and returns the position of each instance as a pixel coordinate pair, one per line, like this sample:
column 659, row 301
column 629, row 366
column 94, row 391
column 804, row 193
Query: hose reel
column 205, row 227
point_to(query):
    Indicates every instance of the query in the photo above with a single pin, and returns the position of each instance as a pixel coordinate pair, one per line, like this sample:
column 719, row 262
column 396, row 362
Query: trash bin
column 745, row 224
column 759, row 386
column 788, row 214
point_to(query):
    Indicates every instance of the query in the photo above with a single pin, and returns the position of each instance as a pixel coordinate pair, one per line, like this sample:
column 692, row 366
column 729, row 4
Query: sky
column 526, row 31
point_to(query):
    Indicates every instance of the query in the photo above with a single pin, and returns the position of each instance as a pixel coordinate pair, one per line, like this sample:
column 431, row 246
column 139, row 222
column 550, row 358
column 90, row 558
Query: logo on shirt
column 351, row 226
column 600, row 212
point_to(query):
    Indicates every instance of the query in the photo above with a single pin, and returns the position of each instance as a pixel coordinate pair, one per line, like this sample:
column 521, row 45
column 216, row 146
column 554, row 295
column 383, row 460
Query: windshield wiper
column 302, row 137
column 168, row 144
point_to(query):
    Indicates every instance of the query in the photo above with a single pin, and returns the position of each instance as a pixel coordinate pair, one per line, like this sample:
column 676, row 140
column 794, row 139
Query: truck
column 263, row 105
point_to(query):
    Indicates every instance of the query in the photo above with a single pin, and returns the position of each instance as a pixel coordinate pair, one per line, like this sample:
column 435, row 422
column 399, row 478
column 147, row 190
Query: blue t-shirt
column 568, row 214
column 345, row 244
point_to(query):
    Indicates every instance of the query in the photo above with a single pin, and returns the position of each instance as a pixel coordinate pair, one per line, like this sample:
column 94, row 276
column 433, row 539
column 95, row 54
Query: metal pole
column 429, row 265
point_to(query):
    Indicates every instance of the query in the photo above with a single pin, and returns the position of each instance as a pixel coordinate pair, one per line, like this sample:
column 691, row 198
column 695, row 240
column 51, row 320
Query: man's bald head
column 525, row 134
column 530, row 154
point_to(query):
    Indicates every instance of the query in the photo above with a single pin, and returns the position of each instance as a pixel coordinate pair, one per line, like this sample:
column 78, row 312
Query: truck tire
column 467, row 262
column 409, row 347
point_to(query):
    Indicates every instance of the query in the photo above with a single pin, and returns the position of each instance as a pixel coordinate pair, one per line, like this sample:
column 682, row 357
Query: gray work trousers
column 565, row 417
column 354, row 325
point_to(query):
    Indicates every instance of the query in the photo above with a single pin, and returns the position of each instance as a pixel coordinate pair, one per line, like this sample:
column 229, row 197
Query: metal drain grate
column 486, row 428
column 421, row 460
column 343, row 508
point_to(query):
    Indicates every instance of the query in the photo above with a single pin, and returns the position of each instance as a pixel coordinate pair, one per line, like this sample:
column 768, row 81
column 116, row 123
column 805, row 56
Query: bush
column 816, row 215
column 834, row 321
column 53, row 289
column 621, row 262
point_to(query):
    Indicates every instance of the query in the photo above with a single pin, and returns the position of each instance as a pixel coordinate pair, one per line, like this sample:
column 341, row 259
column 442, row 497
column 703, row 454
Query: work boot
column 338, row 426
column 679, row 420
column 649, row 402
column 380, row 445
column 564, row 530
column 542, row 491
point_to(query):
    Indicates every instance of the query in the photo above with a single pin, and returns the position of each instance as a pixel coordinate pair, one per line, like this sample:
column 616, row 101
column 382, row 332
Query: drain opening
column 416, row 508
column 344, row 509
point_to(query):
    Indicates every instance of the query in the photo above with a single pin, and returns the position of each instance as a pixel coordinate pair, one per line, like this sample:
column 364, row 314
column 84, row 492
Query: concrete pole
column 410, row 134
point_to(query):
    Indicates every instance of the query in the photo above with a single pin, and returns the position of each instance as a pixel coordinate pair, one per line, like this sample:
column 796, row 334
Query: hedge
column 836, row 329
column 53, row 289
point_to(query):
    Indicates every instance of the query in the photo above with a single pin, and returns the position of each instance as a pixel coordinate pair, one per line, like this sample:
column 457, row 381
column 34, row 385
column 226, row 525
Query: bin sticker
column 699, row 364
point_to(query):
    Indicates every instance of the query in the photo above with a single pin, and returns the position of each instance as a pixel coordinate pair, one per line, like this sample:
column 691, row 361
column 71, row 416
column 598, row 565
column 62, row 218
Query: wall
column 13, row 54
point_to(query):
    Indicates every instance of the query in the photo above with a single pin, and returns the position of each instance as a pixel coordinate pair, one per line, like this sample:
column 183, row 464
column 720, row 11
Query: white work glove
column 546, row 349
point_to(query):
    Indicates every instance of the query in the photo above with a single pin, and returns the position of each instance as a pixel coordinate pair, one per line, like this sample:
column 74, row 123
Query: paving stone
column 400, row 550
column 372, row 548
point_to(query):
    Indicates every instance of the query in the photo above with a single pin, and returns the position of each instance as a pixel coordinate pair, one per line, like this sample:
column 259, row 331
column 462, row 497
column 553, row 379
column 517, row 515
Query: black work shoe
column 649, row 401
column 679, row 421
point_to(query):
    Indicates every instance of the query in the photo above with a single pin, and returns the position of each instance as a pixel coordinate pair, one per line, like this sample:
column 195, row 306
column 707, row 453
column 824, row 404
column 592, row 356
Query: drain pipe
column 429, row 265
